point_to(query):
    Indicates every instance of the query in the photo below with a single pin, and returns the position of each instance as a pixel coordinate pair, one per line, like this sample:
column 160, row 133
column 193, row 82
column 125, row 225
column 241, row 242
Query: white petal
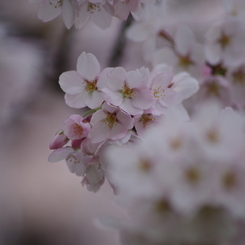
column 68, row 13
column 213, row 53
column 71, row 82
column 185, row 84
column 48, row 12
column 76, row 100
column 83, row 16
column 184, row 39
column 60, row 154
column 95, row 99
column 88, row 66
column 165, row 56
column 101, row 18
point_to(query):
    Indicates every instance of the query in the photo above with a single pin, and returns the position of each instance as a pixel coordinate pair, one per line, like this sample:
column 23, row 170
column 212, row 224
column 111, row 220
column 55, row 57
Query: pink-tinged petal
column 117, row 132
column 138, row 14
column 184, row 40
column 145, row 122
column 88, row 66
column 139, row 78
column 101, row 18
column 74, row 127
column 184, row 84
column 162, row 80
column 68, row 13
column 83, row 15
column 165, row 56
column 97, row 117
column 77, row 163
column 109, row 108
column 112, row 78
column 214, row 33
column 233, row 55
column 76, row 100
column 178, row 111
column 126, row 120
column 133, row 4
column 47, row 12
column 121, row 10
column 94, row 174
column 161, row 68
column 60, row 154
column 213, row 53
column 197, row 54
column 170, row 98
column 143, row 98
column 115, row 98
column 99, row 132
column 129, row 108
column 71, row 82
column 94, row 99
column 58, row 141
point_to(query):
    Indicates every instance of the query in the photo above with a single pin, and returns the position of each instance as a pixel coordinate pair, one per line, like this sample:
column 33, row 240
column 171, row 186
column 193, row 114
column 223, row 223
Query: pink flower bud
column 58, row 141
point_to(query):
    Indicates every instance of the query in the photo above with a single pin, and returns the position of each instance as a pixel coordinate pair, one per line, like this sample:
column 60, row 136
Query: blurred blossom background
column 41, row 202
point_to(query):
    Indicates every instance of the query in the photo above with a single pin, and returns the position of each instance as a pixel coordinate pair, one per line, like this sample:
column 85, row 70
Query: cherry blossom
column 145, row 121
column 185, row 55
column 81, row 86
column 100, row 12
column 58, row 141
column 224, row 44
column 170, row 90
column 122, row 8
column 128, row 90
column 76, row 127
column 109, row 123
column 175, row 179
column 50, row 9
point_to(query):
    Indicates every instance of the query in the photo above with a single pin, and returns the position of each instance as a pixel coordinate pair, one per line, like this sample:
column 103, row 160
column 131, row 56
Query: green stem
column 91, row 112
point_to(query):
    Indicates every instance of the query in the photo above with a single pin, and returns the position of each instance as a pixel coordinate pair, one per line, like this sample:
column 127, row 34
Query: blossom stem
column 91, row 112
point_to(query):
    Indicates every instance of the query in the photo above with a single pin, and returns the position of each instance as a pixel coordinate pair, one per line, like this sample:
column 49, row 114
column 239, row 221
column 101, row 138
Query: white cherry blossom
column 81, row 86
column 50, row 9
column 225, row 41
column 109, row 123
column 100, row 12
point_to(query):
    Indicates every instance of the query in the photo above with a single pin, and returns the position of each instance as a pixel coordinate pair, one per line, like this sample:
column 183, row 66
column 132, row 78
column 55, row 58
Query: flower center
column 213, row 89
column 72, row 159
column 185, row 61
column 229, row 180
column 56, row 4
column 91, row 86
column 93, row 7
column 239, row 76
column 147, row 119
column 145, row 165
column 128, row 92
column 157, row 93
column 78, row 130
column 176, row 143
column 110, row 120
column 192, row 175
column 162, row 206
column 224, row 40
column 212, row 136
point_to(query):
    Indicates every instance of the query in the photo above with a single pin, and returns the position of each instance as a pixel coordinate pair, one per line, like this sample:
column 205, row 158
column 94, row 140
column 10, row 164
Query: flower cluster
column 217, row 62
column 184, row 180
column 78, row 12
column 123, row 105
column 180, row 175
